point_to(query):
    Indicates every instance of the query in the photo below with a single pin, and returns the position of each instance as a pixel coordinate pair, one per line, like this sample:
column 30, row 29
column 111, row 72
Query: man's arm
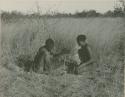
column 63, row 52
column 37, row 56
column 57, row 55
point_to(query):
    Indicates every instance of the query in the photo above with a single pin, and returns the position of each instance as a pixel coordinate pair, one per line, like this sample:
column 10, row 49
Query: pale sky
column 56, row 5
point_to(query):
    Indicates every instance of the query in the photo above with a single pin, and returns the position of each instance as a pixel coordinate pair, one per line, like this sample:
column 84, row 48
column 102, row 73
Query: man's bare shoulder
column 43, row 50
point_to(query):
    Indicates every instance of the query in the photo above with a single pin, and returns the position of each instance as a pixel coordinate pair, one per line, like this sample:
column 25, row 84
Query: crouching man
column 43, row 60
column 85, row 56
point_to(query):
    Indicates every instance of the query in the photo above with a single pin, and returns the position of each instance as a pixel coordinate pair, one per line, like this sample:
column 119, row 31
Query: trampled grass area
column 106, row 38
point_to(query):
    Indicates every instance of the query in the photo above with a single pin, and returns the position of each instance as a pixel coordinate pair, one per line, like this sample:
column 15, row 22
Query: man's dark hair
column 81, row 38
column 49, row 41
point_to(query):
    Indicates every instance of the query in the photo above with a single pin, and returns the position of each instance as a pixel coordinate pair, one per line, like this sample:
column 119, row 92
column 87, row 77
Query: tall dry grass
column 26, row 36
column 106, row 38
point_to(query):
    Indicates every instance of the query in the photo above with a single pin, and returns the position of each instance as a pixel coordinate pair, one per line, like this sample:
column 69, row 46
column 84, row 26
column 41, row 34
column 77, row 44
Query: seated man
column 84, row 53
column 44, row 58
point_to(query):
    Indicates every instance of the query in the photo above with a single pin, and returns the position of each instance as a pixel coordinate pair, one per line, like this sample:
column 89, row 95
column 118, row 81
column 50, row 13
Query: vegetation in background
column 119, row 11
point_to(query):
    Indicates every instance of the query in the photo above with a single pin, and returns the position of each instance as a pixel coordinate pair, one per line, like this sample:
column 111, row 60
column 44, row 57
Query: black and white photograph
column 62, row 48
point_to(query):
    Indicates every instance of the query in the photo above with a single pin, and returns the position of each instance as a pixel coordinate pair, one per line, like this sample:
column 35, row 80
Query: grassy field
column 106, row 38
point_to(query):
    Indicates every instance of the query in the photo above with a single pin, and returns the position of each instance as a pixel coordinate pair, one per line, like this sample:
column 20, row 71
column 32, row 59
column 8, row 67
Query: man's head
column 49, row 44
column 81, row 40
